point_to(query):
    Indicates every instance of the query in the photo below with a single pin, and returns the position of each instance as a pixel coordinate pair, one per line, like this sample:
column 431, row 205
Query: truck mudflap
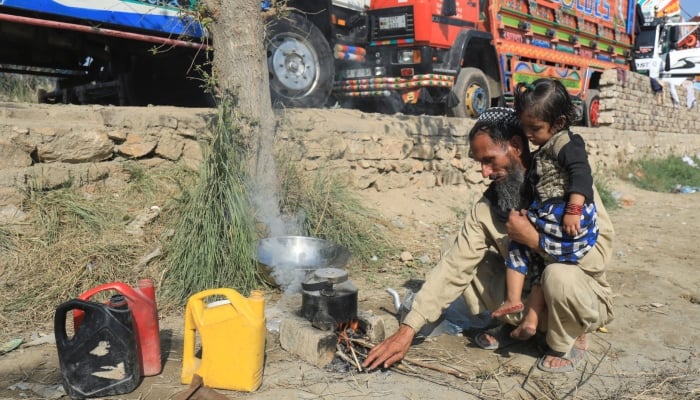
column 411, row 90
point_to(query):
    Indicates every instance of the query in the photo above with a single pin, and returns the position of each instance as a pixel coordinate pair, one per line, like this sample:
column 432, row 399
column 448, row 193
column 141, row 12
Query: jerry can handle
column 230, row 294
column 237, row 300
column 59, row 321
column 86, row 296
column 120, row 287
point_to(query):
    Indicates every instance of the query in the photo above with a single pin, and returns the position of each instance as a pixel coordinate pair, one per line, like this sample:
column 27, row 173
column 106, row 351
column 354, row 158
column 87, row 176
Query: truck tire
column 592, row 110
column 300, row 63
column 472, row 90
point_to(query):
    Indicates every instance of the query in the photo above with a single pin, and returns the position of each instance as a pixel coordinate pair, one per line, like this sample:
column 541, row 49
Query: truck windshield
column 645, row 42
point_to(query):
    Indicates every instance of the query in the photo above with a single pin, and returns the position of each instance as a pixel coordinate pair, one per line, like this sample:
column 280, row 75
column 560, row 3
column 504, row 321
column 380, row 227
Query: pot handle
column 323, row 285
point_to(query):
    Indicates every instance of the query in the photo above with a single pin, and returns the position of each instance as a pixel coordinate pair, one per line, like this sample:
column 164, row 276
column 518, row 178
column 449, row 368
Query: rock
column 170, row 148
column 137, row 146
column 192, row 155
column 13, row 156
column 76, row 146
column 11, row 214
column 135, row 227
column 312, row 345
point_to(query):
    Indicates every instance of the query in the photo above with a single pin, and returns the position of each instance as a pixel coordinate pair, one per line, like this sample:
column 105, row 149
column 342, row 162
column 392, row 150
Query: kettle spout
column 395, row 296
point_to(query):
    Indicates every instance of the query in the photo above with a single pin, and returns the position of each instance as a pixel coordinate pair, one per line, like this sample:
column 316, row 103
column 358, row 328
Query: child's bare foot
column 524, row 331
column 508, row 308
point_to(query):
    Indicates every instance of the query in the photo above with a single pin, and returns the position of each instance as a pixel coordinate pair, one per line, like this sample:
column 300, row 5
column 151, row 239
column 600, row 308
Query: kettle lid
column 332, row 275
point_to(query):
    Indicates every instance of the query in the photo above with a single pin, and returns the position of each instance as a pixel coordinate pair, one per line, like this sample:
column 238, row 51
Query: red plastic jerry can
column 142, row 303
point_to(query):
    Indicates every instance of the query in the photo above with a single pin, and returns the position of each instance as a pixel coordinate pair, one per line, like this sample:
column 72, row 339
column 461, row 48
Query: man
column 690, row 93
column 577, row 296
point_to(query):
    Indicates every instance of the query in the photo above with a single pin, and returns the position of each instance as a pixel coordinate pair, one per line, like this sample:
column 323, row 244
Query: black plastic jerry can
column 101, row 358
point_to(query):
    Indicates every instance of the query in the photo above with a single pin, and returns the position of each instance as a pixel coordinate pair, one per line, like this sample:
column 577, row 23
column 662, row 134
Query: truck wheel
column 472, row 90
column 592, row 111
column 300, row 63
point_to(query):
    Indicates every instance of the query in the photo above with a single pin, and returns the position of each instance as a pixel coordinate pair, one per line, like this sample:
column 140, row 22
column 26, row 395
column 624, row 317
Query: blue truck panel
column 154, row 16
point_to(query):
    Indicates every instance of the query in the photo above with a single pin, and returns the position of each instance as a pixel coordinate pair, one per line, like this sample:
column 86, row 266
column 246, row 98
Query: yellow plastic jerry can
column 232, row 337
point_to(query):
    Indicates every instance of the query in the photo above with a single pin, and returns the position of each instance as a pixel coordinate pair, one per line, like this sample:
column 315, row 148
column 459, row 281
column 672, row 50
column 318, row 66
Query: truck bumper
column 430, row 88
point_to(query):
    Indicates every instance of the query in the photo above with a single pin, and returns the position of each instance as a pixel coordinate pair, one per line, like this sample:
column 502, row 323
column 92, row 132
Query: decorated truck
column 667, row 47
column 135, row 52
column 460, row 57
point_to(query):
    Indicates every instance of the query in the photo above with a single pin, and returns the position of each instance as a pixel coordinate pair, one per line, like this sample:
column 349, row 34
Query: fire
column 346, row 330
column 351, row 326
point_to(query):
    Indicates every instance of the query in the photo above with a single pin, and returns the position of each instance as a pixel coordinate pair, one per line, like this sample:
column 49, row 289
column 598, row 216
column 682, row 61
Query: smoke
column 266, row 200
column 289, row 258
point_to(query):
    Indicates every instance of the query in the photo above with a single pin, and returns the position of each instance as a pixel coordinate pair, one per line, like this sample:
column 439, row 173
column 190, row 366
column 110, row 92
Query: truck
column 461, row 57
column 105, row 51
column 667, row 48
column 138, row 52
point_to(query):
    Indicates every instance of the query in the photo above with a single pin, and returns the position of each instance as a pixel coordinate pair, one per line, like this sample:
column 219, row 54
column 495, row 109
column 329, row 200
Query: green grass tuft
column 663, row 175
column 7, row 242
column 606, row 195
column 213, row 244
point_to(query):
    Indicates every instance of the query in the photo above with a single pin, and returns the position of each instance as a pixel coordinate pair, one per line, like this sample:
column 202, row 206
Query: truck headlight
column 409, row 56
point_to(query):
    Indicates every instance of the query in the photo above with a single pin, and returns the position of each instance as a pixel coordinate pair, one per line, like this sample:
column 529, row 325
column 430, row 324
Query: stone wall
column 48, row 147
column 53, row 145
column 627, row 103
column 384, row 153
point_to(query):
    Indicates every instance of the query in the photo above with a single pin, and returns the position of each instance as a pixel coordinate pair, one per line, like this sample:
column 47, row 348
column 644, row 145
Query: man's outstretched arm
column 391, row 350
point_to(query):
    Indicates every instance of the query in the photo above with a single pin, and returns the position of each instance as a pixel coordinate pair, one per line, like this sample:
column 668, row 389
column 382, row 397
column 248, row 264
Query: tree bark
column 240, row 68
column 240, row 63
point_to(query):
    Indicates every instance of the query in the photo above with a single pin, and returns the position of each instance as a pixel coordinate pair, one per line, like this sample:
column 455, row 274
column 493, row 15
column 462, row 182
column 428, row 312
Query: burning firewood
column 345, row 331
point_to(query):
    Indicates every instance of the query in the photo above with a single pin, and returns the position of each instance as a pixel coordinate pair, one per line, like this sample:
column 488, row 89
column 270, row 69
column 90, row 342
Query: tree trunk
column 240, row 67
column 240, row 63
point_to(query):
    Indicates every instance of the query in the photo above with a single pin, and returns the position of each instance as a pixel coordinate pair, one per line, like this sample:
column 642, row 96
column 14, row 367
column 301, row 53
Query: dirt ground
column 649, row 352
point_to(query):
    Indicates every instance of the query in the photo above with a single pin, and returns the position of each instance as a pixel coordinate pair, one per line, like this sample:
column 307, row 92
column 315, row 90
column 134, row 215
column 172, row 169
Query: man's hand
column 521, row 230
column 391, row 350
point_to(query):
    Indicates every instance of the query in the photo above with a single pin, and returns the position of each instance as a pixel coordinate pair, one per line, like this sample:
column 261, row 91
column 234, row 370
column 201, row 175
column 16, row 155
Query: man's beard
column 508, row 195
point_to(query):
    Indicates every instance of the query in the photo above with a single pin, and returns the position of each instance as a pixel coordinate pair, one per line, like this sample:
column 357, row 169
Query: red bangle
column 574, row 209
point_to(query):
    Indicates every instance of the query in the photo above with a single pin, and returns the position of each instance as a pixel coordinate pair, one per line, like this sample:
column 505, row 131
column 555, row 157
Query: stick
column 452, row 372
column 352, row 351
column 344, row 336
column 340, row 353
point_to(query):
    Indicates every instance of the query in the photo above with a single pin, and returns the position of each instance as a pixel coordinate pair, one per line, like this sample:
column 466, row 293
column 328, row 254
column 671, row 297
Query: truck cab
column 668, row 50
column 459, row 58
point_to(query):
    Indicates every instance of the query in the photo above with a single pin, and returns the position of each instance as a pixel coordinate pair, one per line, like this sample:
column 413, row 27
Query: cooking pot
column 287, row 260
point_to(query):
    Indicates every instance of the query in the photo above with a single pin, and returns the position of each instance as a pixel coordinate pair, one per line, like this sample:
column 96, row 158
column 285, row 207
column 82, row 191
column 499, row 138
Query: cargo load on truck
column 459, row 58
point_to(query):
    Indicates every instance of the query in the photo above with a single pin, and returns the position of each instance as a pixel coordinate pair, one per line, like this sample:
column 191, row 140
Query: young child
column 559, row 190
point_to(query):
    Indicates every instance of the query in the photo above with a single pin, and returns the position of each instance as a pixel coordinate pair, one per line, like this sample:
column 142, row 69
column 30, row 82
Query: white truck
column 667, row 48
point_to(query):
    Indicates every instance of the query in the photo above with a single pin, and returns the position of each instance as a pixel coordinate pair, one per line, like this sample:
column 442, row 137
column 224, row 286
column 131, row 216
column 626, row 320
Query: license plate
column 394, row 22
column 357, row 73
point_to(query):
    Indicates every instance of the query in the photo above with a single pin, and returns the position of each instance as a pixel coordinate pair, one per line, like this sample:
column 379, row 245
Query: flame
column 345, row 331
column 351, row 326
